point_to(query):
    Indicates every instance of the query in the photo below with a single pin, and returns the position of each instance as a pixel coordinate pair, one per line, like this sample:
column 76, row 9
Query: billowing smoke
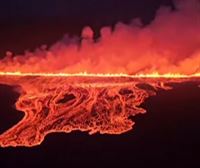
column 169, row 44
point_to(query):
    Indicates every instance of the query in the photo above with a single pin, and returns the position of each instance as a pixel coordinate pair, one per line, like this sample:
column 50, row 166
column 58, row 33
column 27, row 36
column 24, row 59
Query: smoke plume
column 169, row 44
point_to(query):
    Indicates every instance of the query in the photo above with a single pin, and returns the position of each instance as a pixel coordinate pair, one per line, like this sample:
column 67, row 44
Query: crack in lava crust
column 60, row 104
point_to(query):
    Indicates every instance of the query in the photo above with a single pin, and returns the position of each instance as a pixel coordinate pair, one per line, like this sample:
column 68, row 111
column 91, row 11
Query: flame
column 85, row 74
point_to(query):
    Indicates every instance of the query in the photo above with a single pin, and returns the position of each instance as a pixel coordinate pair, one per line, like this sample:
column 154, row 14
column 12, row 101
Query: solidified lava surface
column 64, row 104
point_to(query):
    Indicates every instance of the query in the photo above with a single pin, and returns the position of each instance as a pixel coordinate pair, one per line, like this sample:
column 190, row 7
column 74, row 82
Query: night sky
column 28, row 24
column 167, row 136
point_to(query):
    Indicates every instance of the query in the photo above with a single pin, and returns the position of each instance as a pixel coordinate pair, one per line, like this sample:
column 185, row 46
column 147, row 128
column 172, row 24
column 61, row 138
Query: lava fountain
column 97, row 85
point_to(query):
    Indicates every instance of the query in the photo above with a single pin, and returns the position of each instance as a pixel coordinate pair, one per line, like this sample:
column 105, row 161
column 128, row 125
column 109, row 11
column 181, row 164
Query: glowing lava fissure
column 85, row 74
column 63, row 104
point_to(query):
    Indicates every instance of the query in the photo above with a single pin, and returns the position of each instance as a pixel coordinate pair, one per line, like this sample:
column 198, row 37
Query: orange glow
column 85, row 74
column 87, row 102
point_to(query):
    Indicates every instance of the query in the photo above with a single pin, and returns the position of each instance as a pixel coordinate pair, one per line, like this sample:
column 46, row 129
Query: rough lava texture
column 63, row 105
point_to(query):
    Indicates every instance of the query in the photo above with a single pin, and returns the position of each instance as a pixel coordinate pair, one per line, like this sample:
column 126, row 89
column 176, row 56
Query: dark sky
column 76, row 11
column 27, row 24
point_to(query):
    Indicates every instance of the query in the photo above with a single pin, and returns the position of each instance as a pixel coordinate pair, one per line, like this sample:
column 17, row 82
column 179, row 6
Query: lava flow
column 56, row 103
column 64, row 104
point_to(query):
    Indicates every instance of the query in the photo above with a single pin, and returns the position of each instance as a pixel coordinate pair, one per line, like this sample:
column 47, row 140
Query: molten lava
column 64, row 103
column 150, row 75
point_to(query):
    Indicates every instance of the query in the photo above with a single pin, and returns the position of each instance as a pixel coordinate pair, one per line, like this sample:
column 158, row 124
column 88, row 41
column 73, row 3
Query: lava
column 150, row 75
column 96, row 104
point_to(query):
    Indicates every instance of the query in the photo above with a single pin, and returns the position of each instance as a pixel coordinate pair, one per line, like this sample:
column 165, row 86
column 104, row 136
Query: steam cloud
column 169, row 44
